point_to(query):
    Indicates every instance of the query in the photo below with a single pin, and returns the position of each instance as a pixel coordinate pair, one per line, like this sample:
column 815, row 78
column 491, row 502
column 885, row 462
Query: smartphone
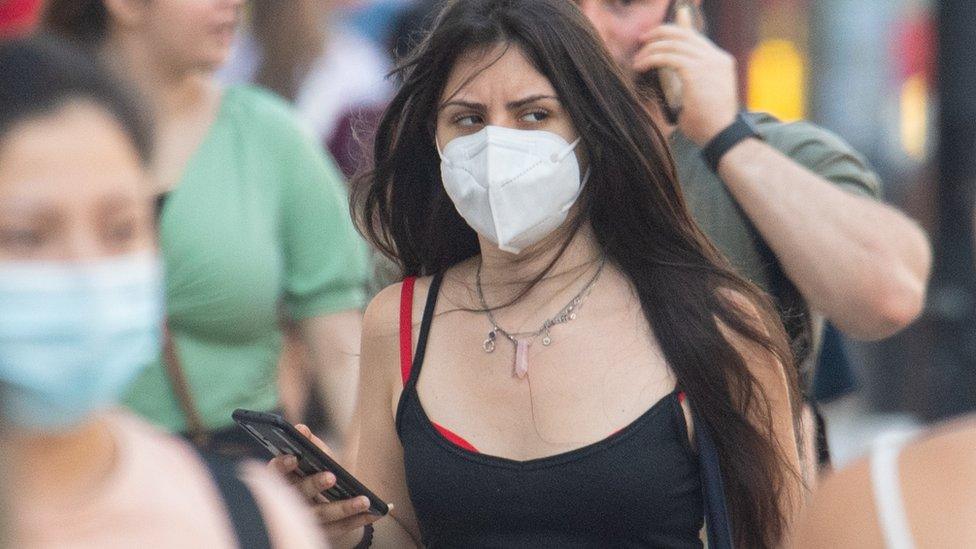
column 664, row 84
column 280, row 437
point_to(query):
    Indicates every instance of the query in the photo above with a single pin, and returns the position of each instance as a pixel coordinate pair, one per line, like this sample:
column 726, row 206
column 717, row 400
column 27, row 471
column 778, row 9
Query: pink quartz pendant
column 521, row 359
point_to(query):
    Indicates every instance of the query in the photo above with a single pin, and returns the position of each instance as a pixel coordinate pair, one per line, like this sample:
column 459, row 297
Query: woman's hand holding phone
column 341, row 519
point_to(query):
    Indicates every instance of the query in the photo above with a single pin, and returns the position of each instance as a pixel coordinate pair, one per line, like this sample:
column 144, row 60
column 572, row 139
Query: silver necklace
column 523, row 340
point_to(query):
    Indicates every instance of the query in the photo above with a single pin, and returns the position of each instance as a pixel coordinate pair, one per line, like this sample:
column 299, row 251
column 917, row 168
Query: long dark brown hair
column 637, row 214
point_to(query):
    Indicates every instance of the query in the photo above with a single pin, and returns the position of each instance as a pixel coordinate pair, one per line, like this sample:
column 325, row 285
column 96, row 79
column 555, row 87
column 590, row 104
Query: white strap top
column 887, row 490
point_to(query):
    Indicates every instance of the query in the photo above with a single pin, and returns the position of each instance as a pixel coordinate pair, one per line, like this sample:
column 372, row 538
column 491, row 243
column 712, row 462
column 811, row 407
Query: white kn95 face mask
column 514, row 187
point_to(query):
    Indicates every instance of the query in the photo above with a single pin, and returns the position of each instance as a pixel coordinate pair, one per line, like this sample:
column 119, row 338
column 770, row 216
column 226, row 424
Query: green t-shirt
column 720, row 216
column 258, row 227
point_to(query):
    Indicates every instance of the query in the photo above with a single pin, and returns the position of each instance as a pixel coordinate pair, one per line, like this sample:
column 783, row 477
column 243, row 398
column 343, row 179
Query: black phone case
column 279, row 437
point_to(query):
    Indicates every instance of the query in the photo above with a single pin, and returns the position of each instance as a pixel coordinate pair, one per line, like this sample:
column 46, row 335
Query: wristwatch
column 735, row 133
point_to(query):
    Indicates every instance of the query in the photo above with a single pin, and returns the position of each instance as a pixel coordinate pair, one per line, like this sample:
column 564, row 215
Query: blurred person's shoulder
column 821, row 151
column 938, row 482
column 169, row 471
column 267, row 116
column 936, row 477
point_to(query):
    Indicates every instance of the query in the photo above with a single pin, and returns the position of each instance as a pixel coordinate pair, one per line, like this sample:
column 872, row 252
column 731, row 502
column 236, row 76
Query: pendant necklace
column 523, row 340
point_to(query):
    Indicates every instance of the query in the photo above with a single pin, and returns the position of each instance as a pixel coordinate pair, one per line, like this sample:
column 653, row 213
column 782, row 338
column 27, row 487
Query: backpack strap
column 242, row 509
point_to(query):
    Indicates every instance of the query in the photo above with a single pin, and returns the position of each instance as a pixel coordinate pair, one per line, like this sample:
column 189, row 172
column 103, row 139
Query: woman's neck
column 59, row 469
column 184, row 101
column 169, row 88
column 504, row 275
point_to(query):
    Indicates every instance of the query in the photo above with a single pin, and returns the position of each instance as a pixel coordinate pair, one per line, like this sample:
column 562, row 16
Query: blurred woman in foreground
column 80, row 317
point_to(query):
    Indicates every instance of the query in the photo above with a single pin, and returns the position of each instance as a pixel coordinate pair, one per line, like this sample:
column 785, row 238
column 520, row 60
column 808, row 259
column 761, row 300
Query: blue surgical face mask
column 73, row 336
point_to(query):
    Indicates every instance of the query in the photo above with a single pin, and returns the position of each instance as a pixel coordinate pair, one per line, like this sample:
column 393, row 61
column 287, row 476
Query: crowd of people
column 593, row 315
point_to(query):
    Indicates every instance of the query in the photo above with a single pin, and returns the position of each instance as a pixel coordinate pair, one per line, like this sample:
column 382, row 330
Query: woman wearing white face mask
column 80, row 316
column 525, row 385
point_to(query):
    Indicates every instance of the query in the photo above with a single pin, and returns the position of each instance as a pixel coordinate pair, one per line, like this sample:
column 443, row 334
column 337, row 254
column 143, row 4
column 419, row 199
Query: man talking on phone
column 794, row 208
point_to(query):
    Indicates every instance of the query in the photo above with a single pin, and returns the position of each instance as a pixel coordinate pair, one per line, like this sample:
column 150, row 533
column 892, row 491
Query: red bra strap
column 406, row 327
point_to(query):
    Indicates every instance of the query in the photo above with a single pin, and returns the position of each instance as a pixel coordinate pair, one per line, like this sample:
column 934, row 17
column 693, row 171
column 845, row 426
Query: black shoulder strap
column 242, row 508
column 429, row 307
column 717, row 518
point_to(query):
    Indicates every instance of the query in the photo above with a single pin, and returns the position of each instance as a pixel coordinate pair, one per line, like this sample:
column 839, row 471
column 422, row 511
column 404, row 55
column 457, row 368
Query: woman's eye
column 468, row 120
column 20, row 238
column 535, row 116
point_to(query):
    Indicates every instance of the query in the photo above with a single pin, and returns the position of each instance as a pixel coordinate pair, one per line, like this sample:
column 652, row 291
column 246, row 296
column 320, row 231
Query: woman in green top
column 254, row 219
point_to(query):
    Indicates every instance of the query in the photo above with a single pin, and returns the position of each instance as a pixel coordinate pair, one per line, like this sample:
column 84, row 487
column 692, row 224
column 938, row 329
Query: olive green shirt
column 258, row 227
column 721, row 218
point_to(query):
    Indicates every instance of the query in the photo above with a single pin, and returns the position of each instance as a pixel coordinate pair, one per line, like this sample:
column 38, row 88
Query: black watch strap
column 735, row 133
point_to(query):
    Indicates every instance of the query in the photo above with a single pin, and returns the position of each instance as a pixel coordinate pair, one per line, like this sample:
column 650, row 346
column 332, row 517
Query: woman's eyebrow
column 514, row 105
column 511, row 105
column 465, row 104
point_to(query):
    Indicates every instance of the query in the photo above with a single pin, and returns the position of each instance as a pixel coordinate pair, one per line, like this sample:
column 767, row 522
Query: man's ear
column 126, row 13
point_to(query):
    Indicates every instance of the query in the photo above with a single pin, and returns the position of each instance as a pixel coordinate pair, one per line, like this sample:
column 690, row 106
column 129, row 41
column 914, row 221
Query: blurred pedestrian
column 566, row 305
column 335, row 79
column 253, row 219
column 81, row 312
column 796, row 209
column 302, row 50
column 912, row 491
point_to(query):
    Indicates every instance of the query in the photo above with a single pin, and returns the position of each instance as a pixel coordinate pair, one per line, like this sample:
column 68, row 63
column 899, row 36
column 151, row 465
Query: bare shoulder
column 382, row 316
column 841, row 512
column 937, row 476
column 383, row 312
column 381, row 345
column 944, row 461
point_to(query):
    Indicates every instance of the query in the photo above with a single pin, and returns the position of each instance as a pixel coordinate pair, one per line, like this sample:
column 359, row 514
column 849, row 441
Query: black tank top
column 640, row 487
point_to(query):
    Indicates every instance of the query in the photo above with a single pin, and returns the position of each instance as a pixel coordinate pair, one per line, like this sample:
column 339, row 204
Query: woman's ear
column 126, row 13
